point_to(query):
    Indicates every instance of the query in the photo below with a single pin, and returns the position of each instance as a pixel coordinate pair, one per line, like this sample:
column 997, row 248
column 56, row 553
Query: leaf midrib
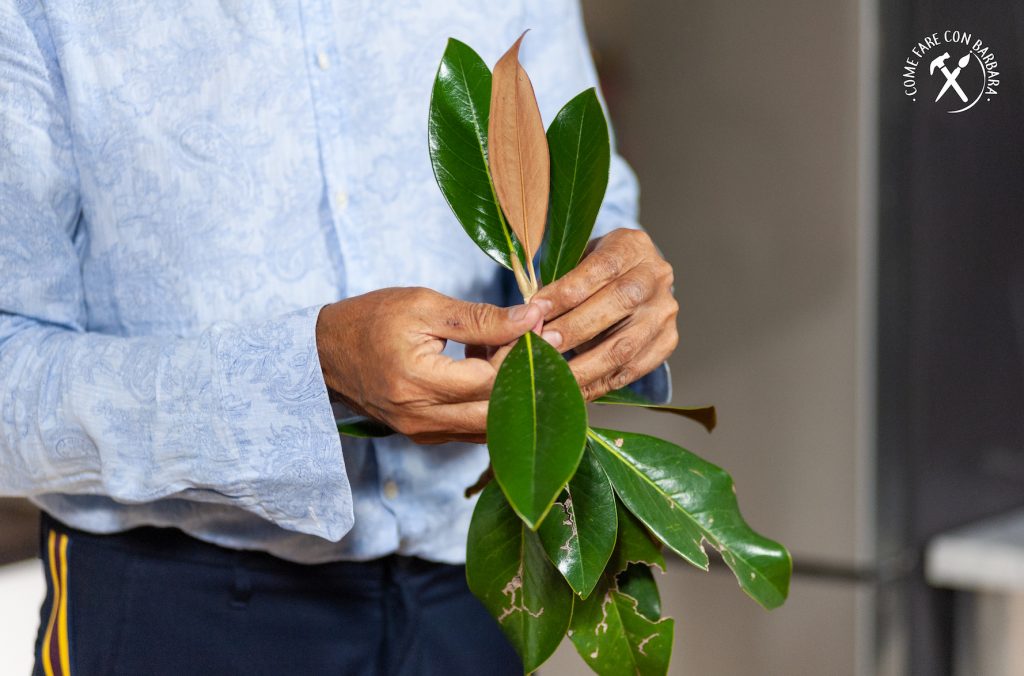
column 712, row 539
column 572, row 193
column 533, row 410
column 522, row 176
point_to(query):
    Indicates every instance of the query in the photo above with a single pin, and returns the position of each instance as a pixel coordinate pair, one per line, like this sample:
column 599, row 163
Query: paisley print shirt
column 182, row 187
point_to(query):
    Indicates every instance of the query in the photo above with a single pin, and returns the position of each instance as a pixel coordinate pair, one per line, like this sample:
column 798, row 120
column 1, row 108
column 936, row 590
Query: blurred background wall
column 743, row 123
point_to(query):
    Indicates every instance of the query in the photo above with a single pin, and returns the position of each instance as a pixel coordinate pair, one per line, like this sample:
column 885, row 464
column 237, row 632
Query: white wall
column 22, row 589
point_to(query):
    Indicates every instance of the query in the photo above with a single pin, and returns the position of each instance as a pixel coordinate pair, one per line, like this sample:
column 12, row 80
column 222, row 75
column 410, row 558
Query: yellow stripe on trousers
column 62, row 616
column 57, row 557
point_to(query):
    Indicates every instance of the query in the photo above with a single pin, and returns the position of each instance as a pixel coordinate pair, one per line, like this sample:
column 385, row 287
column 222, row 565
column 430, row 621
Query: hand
column 616, row 309
column 381, row 353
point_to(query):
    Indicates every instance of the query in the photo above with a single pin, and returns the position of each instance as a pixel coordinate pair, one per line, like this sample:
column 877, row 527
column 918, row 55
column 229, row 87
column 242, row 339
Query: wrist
column 327, row 347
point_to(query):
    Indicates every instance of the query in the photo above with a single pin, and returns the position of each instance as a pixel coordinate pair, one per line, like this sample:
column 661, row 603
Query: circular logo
column 953, row 70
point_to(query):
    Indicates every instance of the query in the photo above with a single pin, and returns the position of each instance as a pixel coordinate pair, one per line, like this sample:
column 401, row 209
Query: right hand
column 381, row 354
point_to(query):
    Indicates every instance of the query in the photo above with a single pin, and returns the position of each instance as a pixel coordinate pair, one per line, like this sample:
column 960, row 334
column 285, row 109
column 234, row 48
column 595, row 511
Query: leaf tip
column 711, row 419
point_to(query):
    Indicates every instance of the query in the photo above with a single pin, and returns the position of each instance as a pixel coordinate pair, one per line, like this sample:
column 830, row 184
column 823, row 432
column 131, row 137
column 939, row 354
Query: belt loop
column 241, row 590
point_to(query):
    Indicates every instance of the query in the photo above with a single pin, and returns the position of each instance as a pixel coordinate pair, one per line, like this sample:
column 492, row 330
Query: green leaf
column 685, row 500
column 457, row 133
column 579, row 535
column 580, row 161
column 536, row 427
column 638, row 582
column 705, row 415
column 624, row 395
column 363, row 427
column 634, row 543
column 507, row 569
column 613, row 637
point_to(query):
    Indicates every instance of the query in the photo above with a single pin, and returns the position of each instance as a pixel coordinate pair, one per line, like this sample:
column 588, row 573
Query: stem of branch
column 481, row 483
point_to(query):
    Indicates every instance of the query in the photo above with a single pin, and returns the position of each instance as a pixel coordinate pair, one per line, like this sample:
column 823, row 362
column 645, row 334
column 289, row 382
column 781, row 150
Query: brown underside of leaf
column 517, row 149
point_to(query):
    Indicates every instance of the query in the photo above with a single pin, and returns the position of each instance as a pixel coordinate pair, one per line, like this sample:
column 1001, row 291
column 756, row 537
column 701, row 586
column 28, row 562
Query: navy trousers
column 156, row 601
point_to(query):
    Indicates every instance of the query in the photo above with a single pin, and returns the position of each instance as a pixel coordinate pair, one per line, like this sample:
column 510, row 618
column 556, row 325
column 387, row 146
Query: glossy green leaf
column 613, row 637
column 637, row 581
column 457, row 133
column 507, row 569
column 579, row 534
column 634, row 543
column 705, row 415
column 536, row 427
column 685, row 501
column 580, row 162
column 363, row 427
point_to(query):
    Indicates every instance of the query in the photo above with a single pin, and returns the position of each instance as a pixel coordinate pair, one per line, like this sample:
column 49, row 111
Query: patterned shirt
column 182, row 187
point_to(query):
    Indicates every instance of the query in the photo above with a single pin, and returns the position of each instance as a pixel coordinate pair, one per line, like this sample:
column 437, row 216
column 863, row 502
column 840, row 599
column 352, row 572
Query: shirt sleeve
column 237, row 415
column 556, row 53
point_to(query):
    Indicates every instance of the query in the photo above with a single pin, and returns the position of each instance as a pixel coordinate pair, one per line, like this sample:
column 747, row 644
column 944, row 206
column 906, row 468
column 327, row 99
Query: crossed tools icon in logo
column 951, row 77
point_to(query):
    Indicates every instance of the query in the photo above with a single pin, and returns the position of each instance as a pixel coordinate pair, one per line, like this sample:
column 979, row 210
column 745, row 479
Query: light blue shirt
column 182, row 187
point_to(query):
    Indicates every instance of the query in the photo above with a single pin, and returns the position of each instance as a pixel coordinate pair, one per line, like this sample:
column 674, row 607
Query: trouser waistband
column 174, row 544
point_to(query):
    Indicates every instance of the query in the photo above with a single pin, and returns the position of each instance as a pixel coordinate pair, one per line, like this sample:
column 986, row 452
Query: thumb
column 482, row 323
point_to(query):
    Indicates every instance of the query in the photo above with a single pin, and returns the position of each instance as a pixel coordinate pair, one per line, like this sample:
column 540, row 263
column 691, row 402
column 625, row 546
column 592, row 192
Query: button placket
column 327, row 90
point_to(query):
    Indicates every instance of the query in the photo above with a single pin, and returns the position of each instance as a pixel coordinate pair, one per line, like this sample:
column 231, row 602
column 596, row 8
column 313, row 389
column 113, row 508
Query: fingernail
column 518, row 313
column 554, row 338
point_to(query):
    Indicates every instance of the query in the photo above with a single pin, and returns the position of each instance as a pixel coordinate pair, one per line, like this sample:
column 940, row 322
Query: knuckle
column 421, row 295
column 673, row 342
column 413, row 426
column 574, row 294
column 640, row 236
column 630, row 293
column 633, row 237
column 621, row 378
column 622, row 350
column 607, row 266
column 478, row 315
column 671, row 312
column 666, row 273
column 396, row 394
column 574, row 331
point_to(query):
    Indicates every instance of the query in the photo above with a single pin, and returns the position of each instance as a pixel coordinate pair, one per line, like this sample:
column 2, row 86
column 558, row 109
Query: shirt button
column 322, row 61
column 390, row 489
column 340, row 199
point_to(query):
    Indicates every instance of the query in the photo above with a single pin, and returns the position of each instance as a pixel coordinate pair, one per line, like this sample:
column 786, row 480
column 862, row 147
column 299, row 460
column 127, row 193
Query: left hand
column 616, row 309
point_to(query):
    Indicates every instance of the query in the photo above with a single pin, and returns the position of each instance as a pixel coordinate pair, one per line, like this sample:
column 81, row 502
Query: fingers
column 613, row 255
column 479, row 323
column 440, row 424
column 615, row 301
column 442, row 379
column 623, row 357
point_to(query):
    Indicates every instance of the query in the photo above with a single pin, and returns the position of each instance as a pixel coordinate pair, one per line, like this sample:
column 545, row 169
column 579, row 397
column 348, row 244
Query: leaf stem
column 481, row 483
column 527, row 281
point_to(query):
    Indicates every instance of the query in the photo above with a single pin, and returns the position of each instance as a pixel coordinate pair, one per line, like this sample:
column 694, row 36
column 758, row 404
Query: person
column 215, row 218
